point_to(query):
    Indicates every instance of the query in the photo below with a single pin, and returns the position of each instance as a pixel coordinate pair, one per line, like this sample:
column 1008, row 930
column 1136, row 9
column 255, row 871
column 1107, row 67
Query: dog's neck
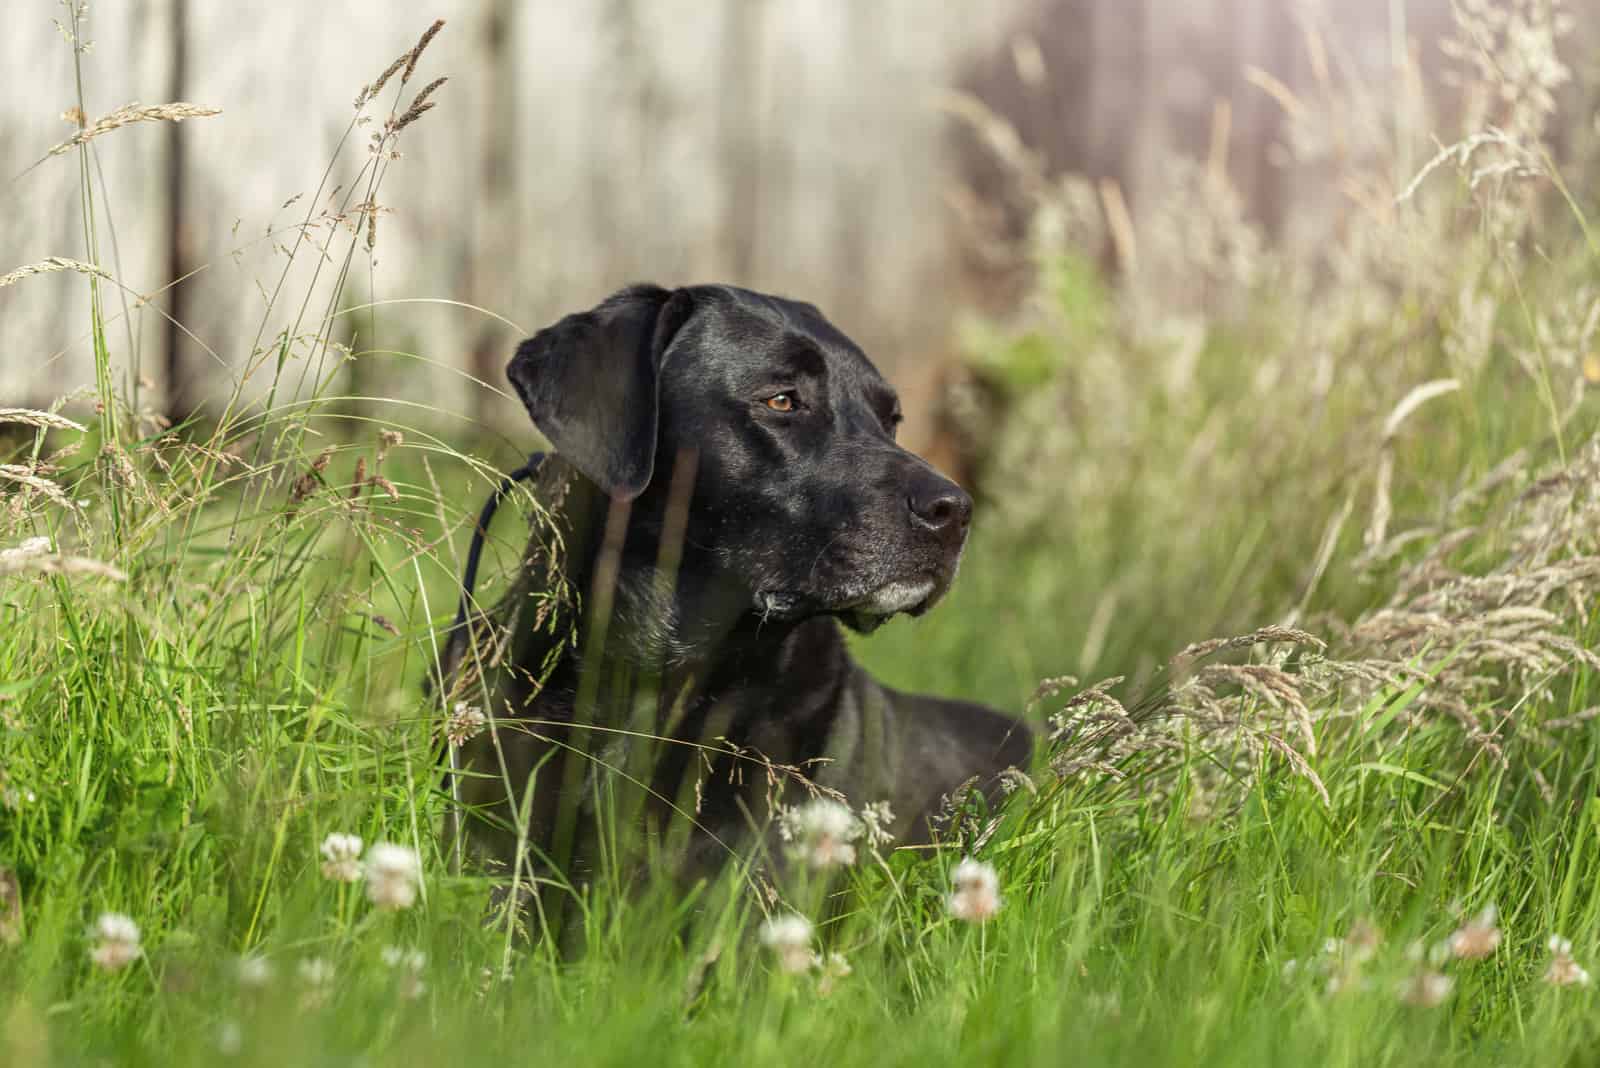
column 660, row 604
column 691, row 644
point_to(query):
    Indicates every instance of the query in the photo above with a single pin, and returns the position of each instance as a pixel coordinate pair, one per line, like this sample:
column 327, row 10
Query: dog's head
column 802, row 500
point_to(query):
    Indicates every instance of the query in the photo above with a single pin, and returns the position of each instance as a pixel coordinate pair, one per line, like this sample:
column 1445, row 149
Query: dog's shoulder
column 931, row 747
column 942, row 730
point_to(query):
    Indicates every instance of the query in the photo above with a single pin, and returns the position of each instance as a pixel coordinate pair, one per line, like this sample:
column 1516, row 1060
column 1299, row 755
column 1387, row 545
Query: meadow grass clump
column 1359, row 831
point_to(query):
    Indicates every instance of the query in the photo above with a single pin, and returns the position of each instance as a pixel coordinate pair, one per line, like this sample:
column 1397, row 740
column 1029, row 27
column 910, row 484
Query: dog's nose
column 941, row 506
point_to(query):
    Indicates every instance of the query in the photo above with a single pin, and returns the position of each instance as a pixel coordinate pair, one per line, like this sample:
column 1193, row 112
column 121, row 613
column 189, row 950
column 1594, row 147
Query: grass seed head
column 128, row 114
column 422, row 44
column 38, row 419
column 877, row 824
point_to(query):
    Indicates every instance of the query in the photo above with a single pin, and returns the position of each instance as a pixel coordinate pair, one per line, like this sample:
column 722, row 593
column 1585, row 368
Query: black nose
column 941, row 506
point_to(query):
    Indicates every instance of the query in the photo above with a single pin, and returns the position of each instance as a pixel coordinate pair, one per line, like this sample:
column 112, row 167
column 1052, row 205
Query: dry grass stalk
column 388, row 440
column 129, row 114
column 59, row 564
column 1415, row 399
column 41, row 420
column 1382, row 501
column 1277, row 90
column 1260, row 636
column 1473, row 641
column 34, row 555
column 1568, row 722
column 422, row 44
column 27, row 477
column 419, row 105
column 1120, row 222
column 308, row 483
column 50, row 265
column 370, row 91
column 359, row 480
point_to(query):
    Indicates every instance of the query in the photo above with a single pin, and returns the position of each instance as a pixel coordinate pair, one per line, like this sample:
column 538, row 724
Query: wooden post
column 740, row 135
column 180, row 393
column 495, row 215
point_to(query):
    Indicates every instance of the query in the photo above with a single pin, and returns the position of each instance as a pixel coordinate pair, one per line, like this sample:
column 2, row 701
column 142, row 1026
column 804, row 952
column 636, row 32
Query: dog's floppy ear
column 590, row 382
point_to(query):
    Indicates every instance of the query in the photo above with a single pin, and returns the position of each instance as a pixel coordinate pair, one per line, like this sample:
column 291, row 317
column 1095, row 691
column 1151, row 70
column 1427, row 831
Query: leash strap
column 469, row 577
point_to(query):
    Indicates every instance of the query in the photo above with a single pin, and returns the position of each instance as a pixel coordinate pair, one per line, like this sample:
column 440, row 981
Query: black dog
column 727, row 490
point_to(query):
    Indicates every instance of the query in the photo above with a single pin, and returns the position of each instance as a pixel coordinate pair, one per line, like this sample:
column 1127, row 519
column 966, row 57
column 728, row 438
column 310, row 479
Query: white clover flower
column 831, row 969
column 464, row 724
column 315, row 971
column 230, row 1039
column 1563, row 970
column 1340, row 959
column 14, row 799
column 341, row 857
column 1363, row 941
column 317, row 975
column 1108, row 1004
column 976, row 897
column 409, row 963
column 393, row 872
column 1477, row 938
column 1426, row 989
column 395, row 956
column 254, row 971
column 116, row 942
column 789, row 936
column 821, row 831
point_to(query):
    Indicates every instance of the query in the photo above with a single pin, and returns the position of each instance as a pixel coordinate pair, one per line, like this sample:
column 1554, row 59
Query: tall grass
column 1244, row 851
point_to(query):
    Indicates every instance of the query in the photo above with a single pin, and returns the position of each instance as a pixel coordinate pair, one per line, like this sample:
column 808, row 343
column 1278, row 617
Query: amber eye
column 782, row 402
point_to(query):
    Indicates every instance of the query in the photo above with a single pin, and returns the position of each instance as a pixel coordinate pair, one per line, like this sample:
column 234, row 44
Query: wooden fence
column 794, row 145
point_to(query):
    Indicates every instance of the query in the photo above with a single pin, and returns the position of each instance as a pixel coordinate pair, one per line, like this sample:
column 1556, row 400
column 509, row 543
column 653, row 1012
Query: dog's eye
column 782, row 402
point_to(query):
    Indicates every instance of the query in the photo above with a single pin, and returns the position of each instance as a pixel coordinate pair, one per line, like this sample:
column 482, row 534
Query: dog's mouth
column 875, row 609
column 862, row 612
column 897, row 596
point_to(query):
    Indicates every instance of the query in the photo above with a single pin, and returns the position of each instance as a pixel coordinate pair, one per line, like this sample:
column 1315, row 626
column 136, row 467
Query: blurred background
column 875, row 158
